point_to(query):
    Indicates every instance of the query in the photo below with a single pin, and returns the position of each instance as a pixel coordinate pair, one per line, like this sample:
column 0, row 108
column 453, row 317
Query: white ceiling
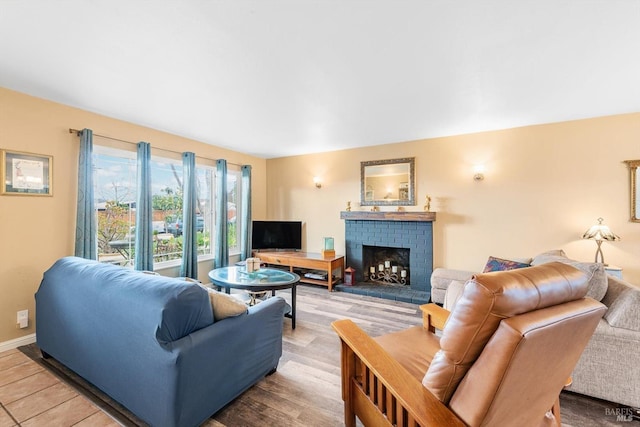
column 276, row 78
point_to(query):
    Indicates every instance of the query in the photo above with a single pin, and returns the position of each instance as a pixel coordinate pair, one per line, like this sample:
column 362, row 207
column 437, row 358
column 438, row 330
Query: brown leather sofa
column 505, row 353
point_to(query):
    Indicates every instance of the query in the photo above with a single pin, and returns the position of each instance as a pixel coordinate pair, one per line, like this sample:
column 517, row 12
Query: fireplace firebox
column 385, row 265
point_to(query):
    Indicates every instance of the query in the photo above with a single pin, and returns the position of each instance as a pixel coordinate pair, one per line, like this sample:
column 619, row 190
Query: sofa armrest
column 442, row 277
column 261, row 320
column 623, row 310
column 217, row 363
column 379, row 390
column 608, row 366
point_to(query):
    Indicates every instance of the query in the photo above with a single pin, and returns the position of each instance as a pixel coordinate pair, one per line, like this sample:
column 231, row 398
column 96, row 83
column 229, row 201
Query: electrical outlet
column 23, row 319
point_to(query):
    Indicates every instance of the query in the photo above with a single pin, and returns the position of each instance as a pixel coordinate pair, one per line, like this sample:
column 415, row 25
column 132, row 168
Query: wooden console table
column 307, row 261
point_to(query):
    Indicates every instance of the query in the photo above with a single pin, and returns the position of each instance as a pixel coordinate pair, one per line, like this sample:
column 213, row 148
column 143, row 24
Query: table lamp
column 600, row 232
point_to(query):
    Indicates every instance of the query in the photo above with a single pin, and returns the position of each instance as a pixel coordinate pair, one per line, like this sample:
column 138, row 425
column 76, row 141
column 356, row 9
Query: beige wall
column 544, row 186
column 35, row 231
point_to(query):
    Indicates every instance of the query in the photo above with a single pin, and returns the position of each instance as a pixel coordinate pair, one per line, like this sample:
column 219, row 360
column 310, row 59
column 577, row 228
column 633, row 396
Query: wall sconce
column 478, row 172
column 317, row 182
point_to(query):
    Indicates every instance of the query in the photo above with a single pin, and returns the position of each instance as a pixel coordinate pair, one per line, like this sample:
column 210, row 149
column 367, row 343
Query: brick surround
column 415, row 235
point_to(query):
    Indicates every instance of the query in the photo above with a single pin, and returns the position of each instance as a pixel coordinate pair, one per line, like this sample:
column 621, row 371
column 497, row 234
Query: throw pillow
column 623, row 313
column 499, row 264
column 225, row 305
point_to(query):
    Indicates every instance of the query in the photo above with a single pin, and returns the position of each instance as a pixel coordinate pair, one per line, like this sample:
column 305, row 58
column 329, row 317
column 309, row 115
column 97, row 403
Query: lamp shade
column 600, row 232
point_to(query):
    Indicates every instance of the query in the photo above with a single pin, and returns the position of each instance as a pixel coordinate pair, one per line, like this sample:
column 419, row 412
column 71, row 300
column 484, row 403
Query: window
column 166, row 201
column 115, row 201
column 234, row 180
column 205, row 190
column 114, row 197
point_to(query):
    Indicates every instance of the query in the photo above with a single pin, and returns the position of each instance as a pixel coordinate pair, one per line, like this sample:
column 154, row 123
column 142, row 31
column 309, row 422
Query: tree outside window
column 115, row 196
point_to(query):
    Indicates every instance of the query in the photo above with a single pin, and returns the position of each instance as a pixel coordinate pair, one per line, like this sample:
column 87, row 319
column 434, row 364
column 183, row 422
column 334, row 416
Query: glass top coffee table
column 262, row 280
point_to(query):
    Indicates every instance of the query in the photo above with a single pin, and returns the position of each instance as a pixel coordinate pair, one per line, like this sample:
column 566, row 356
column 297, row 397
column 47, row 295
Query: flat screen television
column 276, row 235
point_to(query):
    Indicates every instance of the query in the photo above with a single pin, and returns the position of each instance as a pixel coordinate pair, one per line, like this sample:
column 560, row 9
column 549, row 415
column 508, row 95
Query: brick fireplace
column 410, row 232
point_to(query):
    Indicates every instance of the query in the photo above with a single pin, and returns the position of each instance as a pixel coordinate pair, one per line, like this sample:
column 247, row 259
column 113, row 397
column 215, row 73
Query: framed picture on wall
column 26, row 174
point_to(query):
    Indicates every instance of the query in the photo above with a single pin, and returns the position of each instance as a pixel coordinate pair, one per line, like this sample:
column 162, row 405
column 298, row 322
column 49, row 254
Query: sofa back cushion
column 164, row 307
column 488, row 299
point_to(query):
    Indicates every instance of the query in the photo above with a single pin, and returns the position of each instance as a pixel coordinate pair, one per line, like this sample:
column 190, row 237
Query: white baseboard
column 15, row 343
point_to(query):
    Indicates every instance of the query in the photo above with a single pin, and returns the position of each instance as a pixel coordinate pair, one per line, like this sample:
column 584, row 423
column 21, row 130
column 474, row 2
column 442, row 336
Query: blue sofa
column 151, row 343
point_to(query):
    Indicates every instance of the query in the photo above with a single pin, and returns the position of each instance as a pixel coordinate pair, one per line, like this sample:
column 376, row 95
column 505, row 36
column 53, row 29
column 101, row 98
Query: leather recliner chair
column 503, row 357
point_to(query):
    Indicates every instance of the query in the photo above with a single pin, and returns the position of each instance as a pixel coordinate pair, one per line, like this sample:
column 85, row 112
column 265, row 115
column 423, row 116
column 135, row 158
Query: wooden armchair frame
column 379, row 390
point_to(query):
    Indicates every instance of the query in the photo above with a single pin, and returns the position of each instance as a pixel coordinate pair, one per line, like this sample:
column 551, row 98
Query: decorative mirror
column 388, row 182
column 634, row 171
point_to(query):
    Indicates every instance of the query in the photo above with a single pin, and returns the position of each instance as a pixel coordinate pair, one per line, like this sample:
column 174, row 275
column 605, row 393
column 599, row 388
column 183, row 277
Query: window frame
column 128, row 154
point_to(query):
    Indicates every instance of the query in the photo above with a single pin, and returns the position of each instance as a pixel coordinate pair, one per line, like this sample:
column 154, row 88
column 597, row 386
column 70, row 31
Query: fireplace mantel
column 388, row 216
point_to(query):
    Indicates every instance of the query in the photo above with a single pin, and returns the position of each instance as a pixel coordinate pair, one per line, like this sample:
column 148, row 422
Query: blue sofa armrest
column 217, row 363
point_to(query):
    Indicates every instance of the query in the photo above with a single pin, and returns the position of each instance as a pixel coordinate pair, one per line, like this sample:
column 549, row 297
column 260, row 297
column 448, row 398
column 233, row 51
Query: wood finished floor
column 305, row 391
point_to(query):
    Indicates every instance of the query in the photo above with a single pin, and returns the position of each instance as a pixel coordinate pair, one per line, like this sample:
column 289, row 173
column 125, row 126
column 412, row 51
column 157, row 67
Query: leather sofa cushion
column 413, row 348
column 595, row 271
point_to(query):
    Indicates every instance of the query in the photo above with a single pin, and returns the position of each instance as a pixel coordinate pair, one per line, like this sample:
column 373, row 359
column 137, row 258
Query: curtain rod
column 77, row 132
